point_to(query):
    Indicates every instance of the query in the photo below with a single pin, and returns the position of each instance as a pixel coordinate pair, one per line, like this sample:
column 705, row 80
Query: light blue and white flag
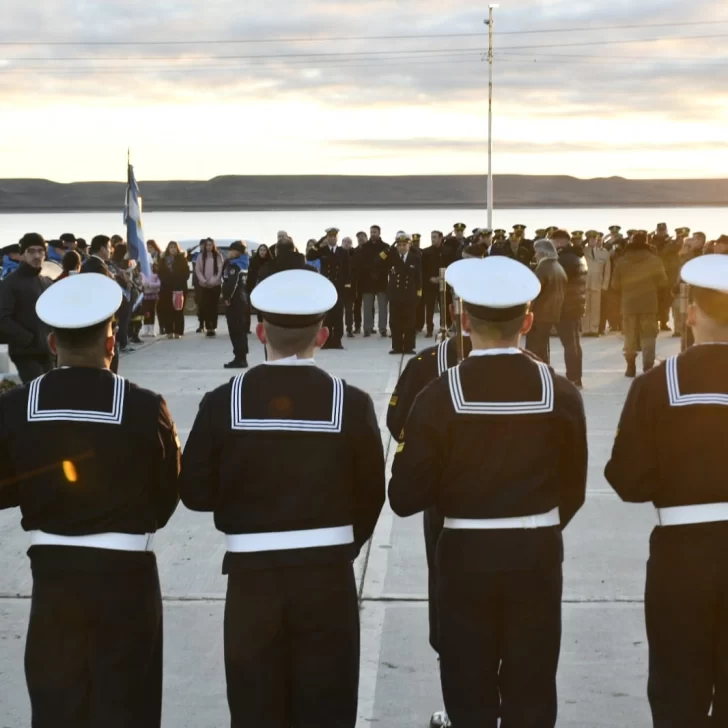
column 133, row 220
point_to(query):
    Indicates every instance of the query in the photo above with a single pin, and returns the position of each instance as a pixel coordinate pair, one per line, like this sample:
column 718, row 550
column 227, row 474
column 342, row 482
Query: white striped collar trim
column 332, row 426
column 463, row 407
column 291, row 361
column 686, row 400
column 442, row 357
column 495, row 352
column 114, row 417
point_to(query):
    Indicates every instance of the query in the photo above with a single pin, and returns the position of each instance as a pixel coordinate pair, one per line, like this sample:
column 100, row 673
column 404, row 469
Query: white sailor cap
column 332, row 231
column 495, row 288
column 79, row 301
column 402, row 235
column 294, row 299
column 707, row 271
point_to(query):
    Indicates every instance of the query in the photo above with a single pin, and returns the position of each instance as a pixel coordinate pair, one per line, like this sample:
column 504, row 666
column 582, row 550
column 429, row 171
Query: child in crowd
column 151, row 286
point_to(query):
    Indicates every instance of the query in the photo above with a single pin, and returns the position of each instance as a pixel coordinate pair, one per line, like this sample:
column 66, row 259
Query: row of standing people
column 94, row 649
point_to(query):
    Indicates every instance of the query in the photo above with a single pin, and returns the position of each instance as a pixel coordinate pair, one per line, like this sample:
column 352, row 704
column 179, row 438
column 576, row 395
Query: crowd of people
column 592, row 283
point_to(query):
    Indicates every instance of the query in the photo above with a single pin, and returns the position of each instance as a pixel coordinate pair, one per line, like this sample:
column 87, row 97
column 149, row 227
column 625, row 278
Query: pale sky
column 580, row 102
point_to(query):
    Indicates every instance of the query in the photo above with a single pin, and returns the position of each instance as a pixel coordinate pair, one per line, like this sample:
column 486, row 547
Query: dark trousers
column 402, row 318
column 209, row 300
column 292, row 647
column 603, row 309
column 124, row 316
column 335, row 322
column 149, row 310
column 613, row 309
column 93, row 656
column 500, row 637
column 349, row 299
column 32, row 367
column 571, row 341
column 664, row 304
column 237, row 315
column 686, row 611
column 538, row 341
column 358, row 302
column 433, row 524
column 420, row 316
column 430, row 295
column 173, row 321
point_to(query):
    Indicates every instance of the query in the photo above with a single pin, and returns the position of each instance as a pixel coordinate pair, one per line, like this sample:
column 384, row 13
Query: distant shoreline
column 359, row 206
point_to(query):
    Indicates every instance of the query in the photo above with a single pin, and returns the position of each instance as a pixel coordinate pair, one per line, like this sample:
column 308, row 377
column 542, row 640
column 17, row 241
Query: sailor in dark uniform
column 427, row 366
column 669, row 451
column 336, row 267
column 94, row 647
column 456, row 239
column 290, row 460
column 500, row 554
column 237, row 308
column 516, row 248
column 404, row 292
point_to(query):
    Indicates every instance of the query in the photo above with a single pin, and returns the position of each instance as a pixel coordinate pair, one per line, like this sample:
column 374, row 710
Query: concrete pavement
column 603, row 666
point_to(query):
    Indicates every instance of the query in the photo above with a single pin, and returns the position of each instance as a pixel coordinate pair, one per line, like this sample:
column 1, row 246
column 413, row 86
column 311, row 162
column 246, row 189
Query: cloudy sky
column 200, row 88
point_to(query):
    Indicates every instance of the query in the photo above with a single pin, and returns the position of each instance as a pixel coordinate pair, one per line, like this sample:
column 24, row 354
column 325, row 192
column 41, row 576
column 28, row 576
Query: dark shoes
column 383, row 334
column 395, row 353
column 677, row 336
column 237, row 364
column 665, row 327
column 200, row 330
column 350, row 334
column 631, row 368
column 411, row 352
column 428, row 335
column 211, row 334
column 366, row 334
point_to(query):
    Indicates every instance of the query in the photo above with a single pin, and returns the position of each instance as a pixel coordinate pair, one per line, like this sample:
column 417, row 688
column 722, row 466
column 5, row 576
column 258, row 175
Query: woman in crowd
column 173, row 275
column 71, row 264
column 154, row 252
column 260, row 258
column 151, row 287
column 208, row 272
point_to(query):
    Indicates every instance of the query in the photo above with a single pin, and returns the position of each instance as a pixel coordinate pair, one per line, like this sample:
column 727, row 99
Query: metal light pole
column 489, row 23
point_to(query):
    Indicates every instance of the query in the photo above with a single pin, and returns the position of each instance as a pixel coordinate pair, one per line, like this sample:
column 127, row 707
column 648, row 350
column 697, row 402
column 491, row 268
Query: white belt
column 285, row 540
column 110, row 541
column 543, row 520
column 683, row 515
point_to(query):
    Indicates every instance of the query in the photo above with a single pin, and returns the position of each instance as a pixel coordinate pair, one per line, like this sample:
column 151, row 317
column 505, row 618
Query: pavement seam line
column 360, row 595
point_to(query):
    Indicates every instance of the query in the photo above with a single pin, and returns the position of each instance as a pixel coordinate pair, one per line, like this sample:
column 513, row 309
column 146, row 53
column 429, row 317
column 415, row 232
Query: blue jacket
column 9, row 265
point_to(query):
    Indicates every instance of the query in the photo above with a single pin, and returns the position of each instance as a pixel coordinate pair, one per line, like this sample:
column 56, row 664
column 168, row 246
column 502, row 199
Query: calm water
column 302, row 225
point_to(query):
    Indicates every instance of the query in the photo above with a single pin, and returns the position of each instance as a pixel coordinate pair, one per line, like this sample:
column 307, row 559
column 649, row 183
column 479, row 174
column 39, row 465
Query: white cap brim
column 79, row 301
column 294, row 293
column 707, row 271
column 495, row 282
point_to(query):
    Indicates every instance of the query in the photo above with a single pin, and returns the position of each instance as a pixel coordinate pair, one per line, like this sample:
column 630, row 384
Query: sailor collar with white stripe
column 496, row 351
column 332, row 425
column 464, row 407
column 291, row 361
column 677, row 399
column 114, row 416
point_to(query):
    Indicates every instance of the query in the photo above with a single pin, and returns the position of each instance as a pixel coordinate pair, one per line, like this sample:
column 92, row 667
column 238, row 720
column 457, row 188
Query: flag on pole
column 133, row 220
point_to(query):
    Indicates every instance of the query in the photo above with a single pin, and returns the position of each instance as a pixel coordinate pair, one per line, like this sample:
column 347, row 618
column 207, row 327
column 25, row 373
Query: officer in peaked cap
column 614, row 229
column 404, row 292
column 666, row 416
column 294, row 524
column 506, row 507
column 94, row 647
column 540, row 233
column 336, row 267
